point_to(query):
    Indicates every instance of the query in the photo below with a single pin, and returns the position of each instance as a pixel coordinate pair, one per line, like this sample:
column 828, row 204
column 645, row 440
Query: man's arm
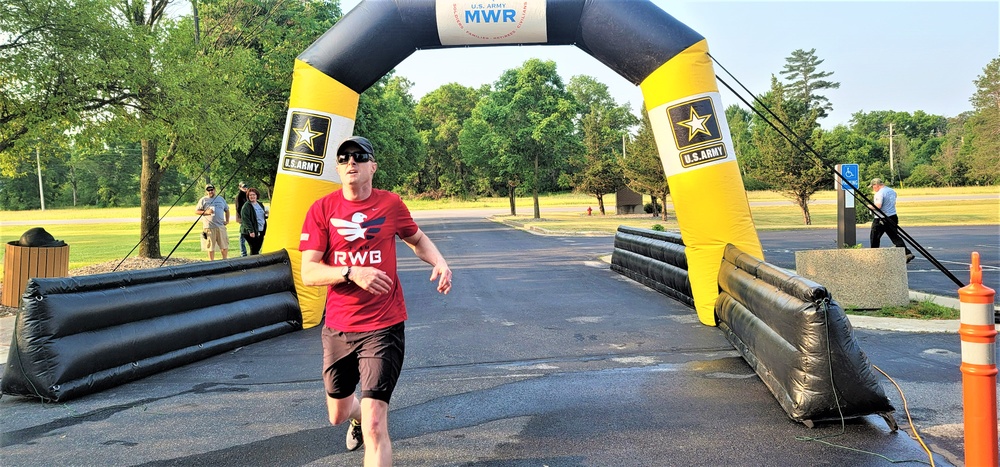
column 316, row 272
column 199, row 209
column 425, row 249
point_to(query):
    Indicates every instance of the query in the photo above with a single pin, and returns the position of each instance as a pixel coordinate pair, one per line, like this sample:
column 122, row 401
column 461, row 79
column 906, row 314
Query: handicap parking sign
column 850, row 174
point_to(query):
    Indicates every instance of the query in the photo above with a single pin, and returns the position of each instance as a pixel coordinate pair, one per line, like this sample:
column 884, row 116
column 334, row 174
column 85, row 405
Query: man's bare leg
column 343, row 410
column 375, row 426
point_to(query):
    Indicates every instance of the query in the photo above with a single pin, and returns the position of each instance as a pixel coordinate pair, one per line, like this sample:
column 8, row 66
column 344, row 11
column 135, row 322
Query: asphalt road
column 541, row 355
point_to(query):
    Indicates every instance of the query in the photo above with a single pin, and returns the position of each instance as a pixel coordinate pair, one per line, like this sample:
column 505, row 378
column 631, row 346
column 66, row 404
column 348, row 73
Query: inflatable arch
column 635, row 38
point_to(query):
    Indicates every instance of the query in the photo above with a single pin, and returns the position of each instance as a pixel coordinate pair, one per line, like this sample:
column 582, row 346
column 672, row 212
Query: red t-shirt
column 359, row 233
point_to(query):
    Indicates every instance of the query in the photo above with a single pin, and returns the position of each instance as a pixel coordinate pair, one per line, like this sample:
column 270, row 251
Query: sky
column 889, row 55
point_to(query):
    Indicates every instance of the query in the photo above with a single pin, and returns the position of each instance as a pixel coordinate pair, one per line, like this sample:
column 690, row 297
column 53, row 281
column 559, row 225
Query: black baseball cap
column 359, row 141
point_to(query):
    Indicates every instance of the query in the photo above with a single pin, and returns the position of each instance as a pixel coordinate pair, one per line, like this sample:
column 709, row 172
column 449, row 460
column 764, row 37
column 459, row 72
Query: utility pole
column 41, row 192
column 197, row 27
column 892, row 168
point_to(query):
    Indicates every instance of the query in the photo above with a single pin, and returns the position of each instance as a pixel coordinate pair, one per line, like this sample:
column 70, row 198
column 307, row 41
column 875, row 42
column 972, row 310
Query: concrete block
column 863, row 278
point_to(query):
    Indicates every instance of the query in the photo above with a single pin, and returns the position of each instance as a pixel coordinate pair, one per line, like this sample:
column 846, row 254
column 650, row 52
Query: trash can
column 36, row 254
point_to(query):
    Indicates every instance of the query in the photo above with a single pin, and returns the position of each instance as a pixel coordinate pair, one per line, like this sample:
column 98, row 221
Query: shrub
column 648, row 207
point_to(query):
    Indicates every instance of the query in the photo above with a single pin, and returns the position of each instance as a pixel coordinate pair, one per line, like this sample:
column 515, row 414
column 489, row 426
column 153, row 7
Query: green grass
column 776, row 217
column 524, row 202
column 914, row 310
column 88, row 212
column 97, row 243
column 563, row 213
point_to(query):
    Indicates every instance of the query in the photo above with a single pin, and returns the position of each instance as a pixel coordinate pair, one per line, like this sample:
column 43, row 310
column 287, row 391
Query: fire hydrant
column 589, row 210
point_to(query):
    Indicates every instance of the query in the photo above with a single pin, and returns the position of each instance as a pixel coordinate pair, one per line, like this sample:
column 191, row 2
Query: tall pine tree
column 804, row 80
column 982, row 143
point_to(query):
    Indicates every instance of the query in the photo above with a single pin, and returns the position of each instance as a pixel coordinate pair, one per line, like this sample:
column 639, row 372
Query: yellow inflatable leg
column 692, row 136
column 321, row 115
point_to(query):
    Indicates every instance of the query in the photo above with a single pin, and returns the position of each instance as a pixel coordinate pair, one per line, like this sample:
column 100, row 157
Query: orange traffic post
column 979, row 368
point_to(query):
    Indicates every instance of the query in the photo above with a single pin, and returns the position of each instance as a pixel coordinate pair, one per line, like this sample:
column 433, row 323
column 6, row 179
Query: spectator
column 215, row 215
column 253, row 222
column 241, row 199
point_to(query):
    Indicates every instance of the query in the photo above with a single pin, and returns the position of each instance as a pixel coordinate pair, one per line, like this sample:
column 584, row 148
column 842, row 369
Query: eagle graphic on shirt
column 357, row 227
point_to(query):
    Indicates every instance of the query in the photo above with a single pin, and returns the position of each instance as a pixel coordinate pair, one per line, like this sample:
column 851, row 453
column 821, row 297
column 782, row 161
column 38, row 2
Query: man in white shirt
column 885, row 200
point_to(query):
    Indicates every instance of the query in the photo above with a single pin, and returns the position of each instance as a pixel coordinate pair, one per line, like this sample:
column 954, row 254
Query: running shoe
column 354, row 438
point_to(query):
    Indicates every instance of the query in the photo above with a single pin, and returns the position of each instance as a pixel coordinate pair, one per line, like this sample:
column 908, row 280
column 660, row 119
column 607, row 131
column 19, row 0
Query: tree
column 274, row 33
column 522, row 128
column 601, row 176
column 440, row 114
column 386, row 116
column 124, row 69
column 184, row 99
column 59, row 63
column 804, row 80
column 739, row 120
column 983, row 127
column 914, row 139
column 949, row 161
column 602, row 124
column 791, row 168
column 643, row 168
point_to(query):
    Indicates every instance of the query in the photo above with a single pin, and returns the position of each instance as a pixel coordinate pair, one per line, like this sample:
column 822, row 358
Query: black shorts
column 373, row 358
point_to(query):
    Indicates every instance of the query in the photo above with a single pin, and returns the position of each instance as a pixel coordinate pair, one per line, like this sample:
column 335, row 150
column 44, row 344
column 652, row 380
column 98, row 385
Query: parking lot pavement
column 541, row 355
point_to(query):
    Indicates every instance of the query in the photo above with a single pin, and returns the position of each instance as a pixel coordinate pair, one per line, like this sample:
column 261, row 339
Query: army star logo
column 696, row 124
column 306, row 136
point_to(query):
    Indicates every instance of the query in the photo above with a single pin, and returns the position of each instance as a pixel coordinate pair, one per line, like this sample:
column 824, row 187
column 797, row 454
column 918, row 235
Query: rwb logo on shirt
column 358, row 227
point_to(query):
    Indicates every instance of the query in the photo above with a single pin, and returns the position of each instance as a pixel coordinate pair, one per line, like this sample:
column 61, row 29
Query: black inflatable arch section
column 78, row 335
column 632, row 37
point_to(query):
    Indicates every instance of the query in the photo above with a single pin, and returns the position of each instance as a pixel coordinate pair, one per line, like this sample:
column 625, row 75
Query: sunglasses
column 210, row 189
column 359, row 157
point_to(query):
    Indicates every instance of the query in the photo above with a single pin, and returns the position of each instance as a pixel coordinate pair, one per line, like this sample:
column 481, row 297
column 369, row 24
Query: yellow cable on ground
column 906, row 409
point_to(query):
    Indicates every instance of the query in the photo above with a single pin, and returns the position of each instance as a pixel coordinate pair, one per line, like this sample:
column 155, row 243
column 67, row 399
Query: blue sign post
column 846, row 217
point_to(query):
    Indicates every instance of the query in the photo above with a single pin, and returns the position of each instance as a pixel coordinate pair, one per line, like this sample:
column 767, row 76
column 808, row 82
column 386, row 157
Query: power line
column 803, row 147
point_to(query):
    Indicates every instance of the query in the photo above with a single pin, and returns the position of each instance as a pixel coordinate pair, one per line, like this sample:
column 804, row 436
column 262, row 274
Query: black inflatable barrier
column 78, row 335
column 655, row 259
column 798, row 340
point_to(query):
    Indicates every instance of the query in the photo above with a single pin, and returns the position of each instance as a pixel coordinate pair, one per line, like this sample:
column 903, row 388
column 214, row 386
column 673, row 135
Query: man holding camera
column 214, row 212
